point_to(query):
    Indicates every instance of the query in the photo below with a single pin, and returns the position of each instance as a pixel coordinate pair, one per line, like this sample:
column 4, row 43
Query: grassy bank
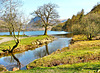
column 23, row 42
column 80, row 53
column 80, row 57
column 89, row 67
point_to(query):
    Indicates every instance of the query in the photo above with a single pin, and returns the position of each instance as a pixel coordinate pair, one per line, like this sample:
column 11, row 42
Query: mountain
column 35, row 20
column 58, row 27
column 62, row 21
column 2, row 29
column 32, row 25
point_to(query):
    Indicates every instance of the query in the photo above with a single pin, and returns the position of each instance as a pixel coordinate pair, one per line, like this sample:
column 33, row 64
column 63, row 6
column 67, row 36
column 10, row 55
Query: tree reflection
column 46, row 46
column 18, row 62
column 12, row 62
column 43, row 51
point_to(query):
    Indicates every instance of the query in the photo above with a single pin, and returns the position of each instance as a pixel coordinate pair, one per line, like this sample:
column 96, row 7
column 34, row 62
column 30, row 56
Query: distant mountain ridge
column 32, row 24
column 64, row 20
column 34, row 20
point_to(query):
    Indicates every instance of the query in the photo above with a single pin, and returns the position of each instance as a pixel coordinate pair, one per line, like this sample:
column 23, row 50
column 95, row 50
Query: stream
column 20, row 60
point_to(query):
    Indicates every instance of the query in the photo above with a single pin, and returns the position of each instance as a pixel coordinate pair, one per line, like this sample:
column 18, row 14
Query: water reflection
column 17, row 60
column 42, row 52
column 46, row 46
column 12, row 61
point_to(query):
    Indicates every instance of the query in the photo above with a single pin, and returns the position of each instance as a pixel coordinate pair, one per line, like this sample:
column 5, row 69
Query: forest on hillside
column 88, row 24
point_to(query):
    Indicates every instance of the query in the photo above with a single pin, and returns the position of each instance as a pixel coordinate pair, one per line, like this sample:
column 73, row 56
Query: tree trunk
column 90, row 37
column 10, row 32
column 45, row 33
column 18, row 33
column 14, row 46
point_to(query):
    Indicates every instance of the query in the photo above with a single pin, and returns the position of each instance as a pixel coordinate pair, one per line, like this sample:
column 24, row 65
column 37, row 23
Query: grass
column 79, row 37
column 89, row 67
column 79, row 53
column 23, row 42
column 80, row 57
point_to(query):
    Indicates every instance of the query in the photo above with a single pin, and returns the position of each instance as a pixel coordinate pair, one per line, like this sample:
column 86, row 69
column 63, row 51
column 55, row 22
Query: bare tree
column 9, row 9
column 10, row 17
column 48, row 15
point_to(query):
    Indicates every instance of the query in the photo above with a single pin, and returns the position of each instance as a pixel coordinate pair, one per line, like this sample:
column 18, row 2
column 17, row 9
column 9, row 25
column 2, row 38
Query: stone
column 15, row 69
column 98, row 71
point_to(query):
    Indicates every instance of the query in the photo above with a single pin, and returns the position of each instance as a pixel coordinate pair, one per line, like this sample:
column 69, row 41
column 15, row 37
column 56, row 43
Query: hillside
column 76, row 19
column 33, row 24
column 96, row 9
column 2, row 29
column 58, row 27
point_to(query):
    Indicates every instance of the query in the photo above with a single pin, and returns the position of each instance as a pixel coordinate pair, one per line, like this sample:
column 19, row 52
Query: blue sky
column 66, row 7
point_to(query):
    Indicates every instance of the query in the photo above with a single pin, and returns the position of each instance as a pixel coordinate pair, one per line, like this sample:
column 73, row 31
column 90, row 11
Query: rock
column 15, row 69
column 98, row 71
column 37, row 42
column 58, row 49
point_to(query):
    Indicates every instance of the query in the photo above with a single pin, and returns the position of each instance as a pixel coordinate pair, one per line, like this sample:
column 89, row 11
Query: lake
column 22, row 59
column 30, row 33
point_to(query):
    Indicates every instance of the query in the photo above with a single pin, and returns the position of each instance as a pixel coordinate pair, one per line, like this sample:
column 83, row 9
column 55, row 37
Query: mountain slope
column 32, row 25
column 77, row 18
column 58, row 27
column 96, row 9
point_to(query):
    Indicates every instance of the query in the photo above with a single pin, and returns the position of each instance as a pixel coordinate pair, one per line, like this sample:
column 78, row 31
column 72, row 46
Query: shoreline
column 83, row 51
column 33, row 45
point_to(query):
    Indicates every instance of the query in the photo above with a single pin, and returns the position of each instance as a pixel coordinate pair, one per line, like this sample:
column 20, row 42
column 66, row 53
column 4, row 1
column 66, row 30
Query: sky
column 66, row 9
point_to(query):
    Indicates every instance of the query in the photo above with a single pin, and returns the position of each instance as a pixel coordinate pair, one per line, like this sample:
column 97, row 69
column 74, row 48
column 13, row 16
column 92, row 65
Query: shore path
column 5, row 39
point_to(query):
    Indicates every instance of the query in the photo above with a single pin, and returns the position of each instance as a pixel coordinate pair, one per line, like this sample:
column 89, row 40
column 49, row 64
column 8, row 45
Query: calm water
column 22, row 59
column 36, row 33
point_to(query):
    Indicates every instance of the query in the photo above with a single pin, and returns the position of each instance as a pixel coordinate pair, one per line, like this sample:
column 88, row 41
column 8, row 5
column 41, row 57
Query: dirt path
column 5, row 39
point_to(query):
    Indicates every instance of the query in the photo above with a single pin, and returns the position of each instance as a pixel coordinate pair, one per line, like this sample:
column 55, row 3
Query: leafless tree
column 10, row 17
column 48, row 15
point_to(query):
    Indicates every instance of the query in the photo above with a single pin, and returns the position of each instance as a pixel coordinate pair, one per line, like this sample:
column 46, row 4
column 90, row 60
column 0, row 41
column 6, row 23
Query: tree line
column 88, row 24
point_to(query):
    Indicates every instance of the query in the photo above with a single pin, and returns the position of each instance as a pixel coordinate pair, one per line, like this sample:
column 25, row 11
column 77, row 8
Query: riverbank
column 82, row 56
column 28, row 43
